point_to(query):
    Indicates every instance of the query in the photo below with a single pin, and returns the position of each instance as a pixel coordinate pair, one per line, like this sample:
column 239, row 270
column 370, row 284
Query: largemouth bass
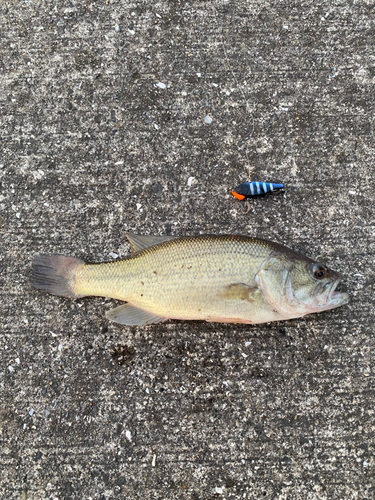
column 228, row 279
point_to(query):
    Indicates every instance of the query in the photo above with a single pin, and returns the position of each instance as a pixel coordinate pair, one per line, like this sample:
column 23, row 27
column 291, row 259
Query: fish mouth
column 334, row 298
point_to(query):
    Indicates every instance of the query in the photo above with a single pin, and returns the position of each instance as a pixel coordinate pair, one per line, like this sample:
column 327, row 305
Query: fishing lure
column 249, row 189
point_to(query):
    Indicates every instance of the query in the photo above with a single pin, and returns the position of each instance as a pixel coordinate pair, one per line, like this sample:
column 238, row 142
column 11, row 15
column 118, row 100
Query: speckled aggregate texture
column 142, row 116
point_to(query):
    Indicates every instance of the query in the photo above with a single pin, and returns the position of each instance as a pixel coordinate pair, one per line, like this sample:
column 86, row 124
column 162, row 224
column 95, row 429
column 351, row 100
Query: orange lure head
column 238, row 195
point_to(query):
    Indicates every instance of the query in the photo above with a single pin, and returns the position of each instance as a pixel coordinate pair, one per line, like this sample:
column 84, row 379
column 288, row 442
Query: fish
column 250, row 189
column 215, row 278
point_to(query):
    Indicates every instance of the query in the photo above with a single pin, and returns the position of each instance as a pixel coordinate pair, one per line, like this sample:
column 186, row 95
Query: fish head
column 312, row 286
column 295, row 285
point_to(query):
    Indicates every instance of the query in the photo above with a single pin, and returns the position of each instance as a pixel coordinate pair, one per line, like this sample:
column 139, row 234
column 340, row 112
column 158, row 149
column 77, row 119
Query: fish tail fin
column 55, row 274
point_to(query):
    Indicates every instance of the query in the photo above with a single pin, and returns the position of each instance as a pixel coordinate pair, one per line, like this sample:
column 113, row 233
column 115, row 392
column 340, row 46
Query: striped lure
column 249, row 189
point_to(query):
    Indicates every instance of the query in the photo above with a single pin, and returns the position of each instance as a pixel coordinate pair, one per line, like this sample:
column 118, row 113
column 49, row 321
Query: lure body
column 250, row 189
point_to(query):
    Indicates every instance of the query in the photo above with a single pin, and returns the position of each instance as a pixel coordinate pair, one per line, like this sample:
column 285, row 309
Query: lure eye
column 319, row 272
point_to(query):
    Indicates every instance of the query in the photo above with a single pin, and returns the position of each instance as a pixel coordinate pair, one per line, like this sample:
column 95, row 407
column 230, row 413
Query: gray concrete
column 91, row 146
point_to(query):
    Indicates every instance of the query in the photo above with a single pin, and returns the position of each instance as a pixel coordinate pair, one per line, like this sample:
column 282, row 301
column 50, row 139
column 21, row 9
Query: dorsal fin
column 138, row 242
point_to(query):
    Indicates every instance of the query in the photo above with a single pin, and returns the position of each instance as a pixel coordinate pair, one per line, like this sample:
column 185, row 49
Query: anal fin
column 126, row 314
column 239, row 291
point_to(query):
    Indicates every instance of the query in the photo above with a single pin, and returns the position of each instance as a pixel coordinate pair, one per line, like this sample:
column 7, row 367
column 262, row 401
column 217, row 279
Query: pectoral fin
column 138, row 242
column 126, row 314
column 239, row 291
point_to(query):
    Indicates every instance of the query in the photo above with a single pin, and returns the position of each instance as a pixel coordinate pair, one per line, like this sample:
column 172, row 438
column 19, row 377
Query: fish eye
column 319, row 272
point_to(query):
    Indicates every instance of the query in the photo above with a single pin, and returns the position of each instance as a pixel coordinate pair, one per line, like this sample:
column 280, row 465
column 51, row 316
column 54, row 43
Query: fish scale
column 178, row 278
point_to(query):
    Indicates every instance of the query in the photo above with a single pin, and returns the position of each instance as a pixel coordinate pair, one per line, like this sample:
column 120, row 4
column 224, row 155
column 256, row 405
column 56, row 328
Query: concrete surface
column 103, row 123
